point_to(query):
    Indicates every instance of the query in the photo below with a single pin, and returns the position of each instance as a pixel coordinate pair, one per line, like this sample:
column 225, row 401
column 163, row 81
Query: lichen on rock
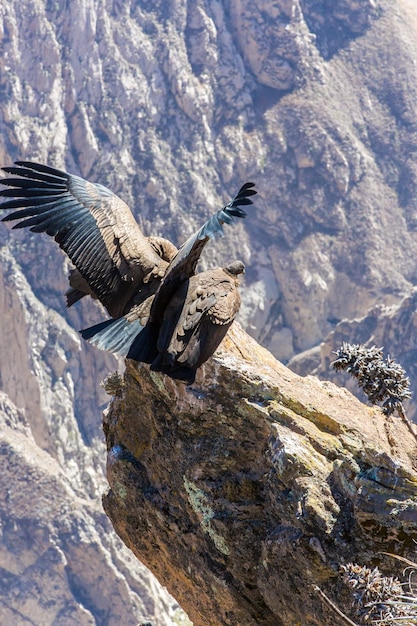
column 247, row 489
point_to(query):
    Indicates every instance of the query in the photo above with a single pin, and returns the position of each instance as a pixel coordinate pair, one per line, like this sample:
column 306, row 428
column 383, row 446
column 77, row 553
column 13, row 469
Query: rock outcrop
column 173, row 106
column 247, row 490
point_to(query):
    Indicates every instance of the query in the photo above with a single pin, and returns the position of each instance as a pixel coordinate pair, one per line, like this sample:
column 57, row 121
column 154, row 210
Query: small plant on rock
column 379, row 599
column 383, row 380
column 114, row 384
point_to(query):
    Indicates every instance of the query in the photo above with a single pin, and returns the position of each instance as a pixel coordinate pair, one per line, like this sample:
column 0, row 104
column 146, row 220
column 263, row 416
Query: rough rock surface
column 244, row 491
column 174, row 105
column 60, row 562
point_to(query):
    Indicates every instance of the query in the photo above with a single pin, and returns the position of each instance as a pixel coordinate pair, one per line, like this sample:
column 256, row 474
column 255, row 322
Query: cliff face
column 173, row 106
column 60, row 561
column 393, row 327
column 58, row 555
column 247, row 490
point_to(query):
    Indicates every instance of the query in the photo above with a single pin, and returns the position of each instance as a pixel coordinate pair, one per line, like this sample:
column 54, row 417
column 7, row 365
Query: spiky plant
column 113, row 384
column 379, row 599
column 383, row 380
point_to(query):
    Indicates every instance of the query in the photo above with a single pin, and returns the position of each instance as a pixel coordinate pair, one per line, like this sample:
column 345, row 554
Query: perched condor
column 143, row 282
column 182, row 335
column 178, row 329
column 195, row 321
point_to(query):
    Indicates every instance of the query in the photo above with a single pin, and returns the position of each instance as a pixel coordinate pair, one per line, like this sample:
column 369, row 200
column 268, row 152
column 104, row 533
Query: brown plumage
column 96, row 229
column 179, row 327
column 181, row 337
column 196, row 320
column 79, row 287
column 164, row 313
column 114, row 262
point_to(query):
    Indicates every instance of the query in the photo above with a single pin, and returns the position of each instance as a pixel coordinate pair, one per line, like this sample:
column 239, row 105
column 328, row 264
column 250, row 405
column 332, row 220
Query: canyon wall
column 173, row 106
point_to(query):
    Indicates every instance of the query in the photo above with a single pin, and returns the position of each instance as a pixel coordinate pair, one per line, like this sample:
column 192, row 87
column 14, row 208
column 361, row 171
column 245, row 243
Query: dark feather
column 73, row 296
column 42, row 219
column 28, row 173
column 34, row 191
column 30, row 184
column 35, row 209
column 25, row 202
column 45, row 169
column 80, row 214
column 113, row 335
column 179, row 372
column 184, row 263
column 143, row 348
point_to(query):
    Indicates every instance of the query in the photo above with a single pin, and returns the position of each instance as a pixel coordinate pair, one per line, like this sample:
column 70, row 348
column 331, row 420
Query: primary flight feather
column 93, row 226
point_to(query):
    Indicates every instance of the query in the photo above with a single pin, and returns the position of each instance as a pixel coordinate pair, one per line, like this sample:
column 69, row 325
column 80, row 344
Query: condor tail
column 114, row 335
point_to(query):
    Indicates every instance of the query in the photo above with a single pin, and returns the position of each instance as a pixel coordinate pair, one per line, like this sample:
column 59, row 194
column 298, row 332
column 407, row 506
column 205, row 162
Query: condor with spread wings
column 96, row 229
column 179, row 328
column 114, row 261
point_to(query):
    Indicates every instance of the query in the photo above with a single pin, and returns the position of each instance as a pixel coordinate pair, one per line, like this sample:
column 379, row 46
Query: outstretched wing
column 90, row 223
column 80, row 288
column 184, row 263
column 201, row 306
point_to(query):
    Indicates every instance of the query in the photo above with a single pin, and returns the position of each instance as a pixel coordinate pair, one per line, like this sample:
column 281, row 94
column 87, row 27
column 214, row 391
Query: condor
column 140, row 280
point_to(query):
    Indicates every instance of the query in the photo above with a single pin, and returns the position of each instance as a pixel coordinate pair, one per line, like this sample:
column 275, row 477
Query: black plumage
column 180, row 327
column 164, row 313
column 93, row 226
column 193, row 324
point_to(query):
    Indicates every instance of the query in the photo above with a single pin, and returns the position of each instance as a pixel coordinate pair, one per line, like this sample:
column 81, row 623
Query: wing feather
column 92, row 225
column 206, row 328
column 184, row 263
column 211, row 298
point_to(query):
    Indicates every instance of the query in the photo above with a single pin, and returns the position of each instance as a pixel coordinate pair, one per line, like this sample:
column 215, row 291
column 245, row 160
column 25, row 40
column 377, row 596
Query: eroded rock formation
column 60, row 562
column 173, row 105
column 58, row 555
column 244, row 491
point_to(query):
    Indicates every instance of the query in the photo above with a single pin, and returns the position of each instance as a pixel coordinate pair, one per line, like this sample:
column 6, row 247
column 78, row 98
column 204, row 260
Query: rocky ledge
column 250, row 489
